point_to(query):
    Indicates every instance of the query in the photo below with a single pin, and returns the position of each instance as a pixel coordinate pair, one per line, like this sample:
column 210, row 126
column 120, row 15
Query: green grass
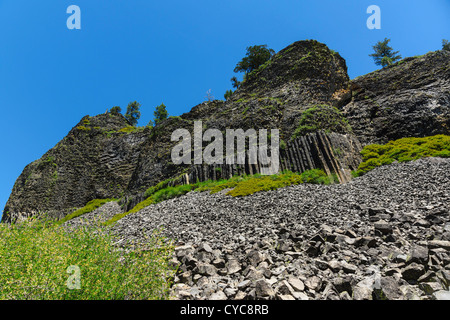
column 240, row 185
column 163, row 184
column 36, row 256
column 405, row 149
column 89, row 207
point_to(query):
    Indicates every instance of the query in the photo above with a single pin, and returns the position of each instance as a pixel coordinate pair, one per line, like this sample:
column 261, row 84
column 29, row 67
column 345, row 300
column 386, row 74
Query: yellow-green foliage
column 246, row 185
column 171, row 192
column 219, row 185
column 127, row 129
column 36, row 254
column 83, row 128
column 131, row 129
column 89, row 207
column 266, row 183
column 405, row 149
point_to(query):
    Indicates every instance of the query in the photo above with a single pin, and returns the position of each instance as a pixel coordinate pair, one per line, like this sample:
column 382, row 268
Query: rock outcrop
column 408, row 99
column 103, row 157
column 94, row 161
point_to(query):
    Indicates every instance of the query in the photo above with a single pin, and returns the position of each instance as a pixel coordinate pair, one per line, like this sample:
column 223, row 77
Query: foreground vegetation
column 39, row 261
column 405, row 149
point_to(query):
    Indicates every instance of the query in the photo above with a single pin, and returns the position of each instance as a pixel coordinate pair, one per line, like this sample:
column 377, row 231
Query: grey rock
column 419, row 255
column 263, row 289
column 413, row 272
column 442, row 295
column 363, row 290
column 233, row 266
column 314, row 283
column 439, row 244
column 296, row 284
column 218, row 296
column 389, row 290
column 206, row 269
column 385, row 228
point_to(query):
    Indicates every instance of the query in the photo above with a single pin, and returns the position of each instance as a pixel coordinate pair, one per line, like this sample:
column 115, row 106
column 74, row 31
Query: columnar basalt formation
column 103, row 157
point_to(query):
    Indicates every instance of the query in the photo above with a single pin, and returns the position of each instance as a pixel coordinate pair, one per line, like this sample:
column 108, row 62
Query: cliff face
column 102, row 157
column 304, row 74
column 94, row 161
column 408, row 99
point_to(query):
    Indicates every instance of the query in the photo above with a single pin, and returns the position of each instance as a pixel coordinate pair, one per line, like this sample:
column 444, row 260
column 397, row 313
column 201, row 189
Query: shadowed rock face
column 93, row 161
column 99, row 160
column 408, row 99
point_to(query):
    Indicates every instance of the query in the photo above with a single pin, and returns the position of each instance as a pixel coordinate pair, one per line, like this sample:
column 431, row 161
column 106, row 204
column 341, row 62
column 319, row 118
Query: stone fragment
column 233, row 266
column 419, row 255
column 296, row 284
column 413, row 272
column 383, row 227
column 263, row 289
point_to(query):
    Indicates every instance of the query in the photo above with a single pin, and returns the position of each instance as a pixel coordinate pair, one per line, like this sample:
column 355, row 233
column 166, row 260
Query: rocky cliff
column 408, row 99
column 94, row 161
column 102, row 157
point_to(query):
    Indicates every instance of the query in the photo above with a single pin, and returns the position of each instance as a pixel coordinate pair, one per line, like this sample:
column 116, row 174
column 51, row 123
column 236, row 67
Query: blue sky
column 167, row 51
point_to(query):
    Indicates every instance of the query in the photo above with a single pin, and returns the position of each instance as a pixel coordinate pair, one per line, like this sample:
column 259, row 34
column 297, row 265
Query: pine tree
column 115, row 110
column 445, row 45
column 255, row 57
column 133, row 114
column 228, row 94
column 384, row 54
column 160, row 114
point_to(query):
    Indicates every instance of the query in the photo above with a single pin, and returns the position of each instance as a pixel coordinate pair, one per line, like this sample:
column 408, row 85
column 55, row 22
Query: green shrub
column 246, row 185
column 83, row 128
column 322, row 117
column 163, row 184
column 36, row 255
column 315, row 176
column 171, row 192
column 405, row 149
column 89, row 207
column 127, row 129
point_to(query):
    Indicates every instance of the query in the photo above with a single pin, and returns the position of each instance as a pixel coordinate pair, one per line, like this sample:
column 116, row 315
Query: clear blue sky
column 167, row 51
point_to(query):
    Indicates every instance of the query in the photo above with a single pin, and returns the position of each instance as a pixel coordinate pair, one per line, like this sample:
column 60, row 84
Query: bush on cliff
column 322, row 117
